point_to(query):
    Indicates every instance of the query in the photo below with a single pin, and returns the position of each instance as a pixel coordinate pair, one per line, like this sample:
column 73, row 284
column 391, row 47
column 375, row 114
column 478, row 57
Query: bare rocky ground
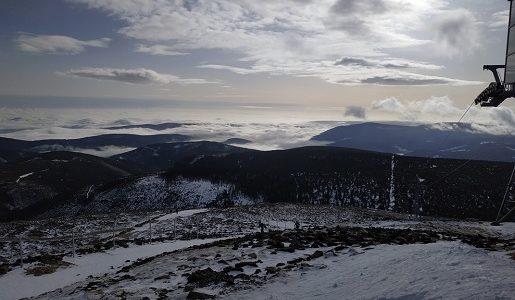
column 248, row 261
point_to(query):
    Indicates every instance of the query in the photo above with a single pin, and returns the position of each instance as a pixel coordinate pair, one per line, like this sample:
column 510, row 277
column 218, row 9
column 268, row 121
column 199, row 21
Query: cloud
column 56, row 44
column 412, row 79
column 391, row 104
column 431, row 109
column 137, row 76
column 493, row 120
column 237, row 70
column 388, row 63
column 352, row 7
column 503, row 115
column 158, row 50
column 500, row 20
column 456, row 33
column 105, row 151
column 357, row 112
column 295, row 38
column 355, row 16
column 371, row 72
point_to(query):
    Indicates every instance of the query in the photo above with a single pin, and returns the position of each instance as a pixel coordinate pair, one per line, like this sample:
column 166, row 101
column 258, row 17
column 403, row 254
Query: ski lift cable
column 446, row 137
column 466, row 111
column 450, row 173
column 449, row 133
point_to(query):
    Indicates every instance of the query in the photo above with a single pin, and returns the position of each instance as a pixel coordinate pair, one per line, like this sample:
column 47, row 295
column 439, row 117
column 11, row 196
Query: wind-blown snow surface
column 16, row 284
column 442, row 270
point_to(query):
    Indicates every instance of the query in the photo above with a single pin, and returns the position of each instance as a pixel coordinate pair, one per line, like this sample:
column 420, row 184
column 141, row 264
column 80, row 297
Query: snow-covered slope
column 443, row 270
column 16, row 284
column 156, row 192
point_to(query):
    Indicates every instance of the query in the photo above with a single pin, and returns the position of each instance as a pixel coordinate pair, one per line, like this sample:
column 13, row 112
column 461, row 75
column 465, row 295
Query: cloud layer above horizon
column 349, row 42
column 327, row 53
column 303, row 38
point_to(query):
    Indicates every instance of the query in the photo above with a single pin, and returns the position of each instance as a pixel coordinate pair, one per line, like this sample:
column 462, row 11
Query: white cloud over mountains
column 434, row 107
column 56, row 44
column 300, row 38
column 494, row 120
column 136, row 76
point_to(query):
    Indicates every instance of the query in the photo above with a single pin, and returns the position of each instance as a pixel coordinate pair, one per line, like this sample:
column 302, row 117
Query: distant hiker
column 262, row 226
column 297, row 225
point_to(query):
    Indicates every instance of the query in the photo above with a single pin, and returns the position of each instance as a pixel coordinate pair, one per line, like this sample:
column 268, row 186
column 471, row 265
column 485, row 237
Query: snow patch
column 16, row 284
column 24, row 176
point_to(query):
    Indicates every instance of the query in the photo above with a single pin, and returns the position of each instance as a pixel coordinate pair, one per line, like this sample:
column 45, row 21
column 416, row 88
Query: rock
column 339, row 248
column 208, row 276
column 315, row 254
column 296, row 245
column 276, row 244
column 4, row 268
column 127, row 277
column 257, row 271
column 287, row 249
column 253, row 255
column 231, row 269
column 320, row 266
column 353, row 251
column 329, row 253
column 246, row 263
column 183, row 267
column 161, row 294
column 271, row 270
column 92, row 285
column 242, row 276
column 296, row 260
column 279, row 265
column 199, row 295
column 162, row 277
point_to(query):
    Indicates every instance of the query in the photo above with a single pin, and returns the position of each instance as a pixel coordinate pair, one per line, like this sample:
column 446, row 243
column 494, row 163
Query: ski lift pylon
column 500, row 90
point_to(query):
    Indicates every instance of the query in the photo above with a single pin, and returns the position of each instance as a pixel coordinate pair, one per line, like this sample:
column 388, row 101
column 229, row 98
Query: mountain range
column 447, row 140
column 173, row 173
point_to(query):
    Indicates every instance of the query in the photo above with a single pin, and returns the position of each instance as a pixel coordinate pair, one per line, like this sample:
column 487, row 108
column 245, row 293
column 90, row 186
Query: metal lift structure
column 496, row 93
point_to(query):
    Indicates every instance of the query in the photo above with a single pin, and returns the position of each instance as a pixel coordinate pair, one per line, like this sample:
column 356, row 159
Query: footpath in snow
column 181, row 214
column 16, row 284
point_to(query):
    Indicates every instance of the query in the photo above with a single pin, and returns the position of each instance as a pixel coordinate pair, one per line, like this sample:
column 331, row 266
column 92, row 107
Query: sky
column 400, row 60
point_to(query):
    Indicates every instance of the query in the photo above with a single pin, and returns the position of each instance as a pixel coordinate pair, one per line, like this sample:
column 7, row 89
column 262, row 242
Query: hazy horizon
column 282, row 71
column 330, row 54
